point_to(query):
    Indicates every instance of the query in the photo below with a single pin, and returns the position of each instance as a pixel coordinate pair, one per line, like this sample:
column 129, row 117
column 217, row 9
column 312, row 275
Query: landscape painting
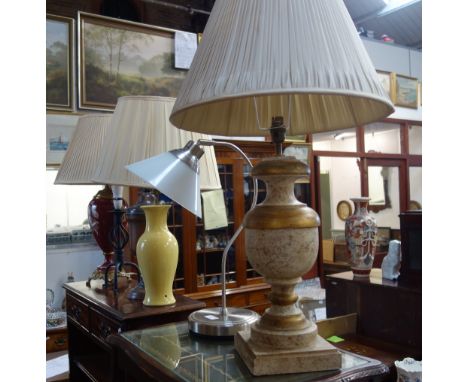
column 405, row 91
column 119, row 58
column 59, row 48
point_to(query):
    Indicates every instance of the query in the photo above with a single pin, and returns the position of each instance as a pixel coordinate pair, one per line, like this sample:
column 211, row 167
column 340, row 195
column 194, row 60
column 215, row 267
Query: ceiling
column 400, row 20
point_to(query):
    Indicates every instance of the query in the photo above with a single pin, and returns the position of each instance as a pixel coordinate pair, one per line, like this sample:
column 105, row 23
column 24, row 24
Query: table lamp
column 78, row 167
column 263, row 67
column 140, row 129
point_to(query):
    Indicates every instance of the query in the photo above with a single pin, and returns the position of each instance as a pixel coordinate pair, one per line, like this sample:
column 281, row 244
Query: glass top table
column 189, row 357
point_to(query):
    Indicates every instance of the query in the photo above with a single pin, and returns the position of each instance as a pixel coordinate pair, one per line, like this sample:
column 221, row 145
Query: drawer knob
column 60, row 342
column 104, row 330
column 75, row 312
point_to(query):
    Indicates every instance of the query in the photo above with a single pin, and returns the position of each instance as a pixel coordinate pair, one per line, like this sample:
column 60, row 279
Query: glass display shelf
column 190, row 357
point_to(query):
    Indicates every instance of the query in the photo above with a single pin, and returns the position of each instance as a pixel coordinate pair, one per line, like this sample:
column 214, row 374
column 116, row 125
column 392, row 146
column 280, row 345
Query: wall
column 394, row 58
column 81, row 261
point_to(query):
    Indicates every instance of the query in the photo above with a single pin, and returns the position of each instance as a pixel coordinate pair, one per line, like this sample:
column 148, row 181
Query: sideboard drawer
column 57, row 340
column 77, row 311
column 100, row 326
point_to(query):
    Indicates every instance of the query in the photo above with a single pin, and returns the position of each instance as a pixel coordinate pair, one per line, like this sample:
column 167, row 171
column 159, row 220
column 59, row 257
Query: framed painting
column 59, row 62
column 420, row 93
column 404, row 91
column 59, row 132
column 385, row 79
column 296, row 138
column 119, row 58
column 299, row 150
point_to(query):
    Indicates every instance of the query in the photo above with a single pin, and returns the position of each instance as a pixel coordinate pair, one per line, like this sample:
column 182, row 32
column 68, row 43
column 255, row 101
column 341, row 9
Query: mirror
column 378, row 178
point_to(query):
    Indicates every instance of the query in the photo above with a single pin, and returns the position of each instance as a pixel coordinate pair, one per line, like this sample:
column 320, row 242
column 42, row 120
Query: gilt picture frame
column 119, row 58
column 300, row 151
column 404, row 91
column 59, row 62
column 385, row 79
column 344, row 209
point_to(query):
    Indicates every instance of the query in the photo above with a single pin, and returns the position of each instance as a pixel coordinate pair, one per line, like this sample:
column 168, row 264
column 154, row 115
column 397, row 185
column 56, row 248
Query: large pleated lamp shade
column 80, row 160
column 140, row 129
column 78, row 167
column 300, row 59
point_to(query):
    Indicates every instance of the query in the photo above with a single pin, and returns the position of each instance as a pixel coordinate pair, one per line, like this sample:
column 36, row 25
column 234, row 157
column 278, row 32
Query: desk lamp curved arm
column 205, row 142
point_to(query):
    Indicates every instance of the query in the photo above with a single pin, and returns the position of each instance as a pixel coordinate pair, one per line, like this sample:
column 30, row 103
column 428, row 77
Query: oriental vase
column 361, row 238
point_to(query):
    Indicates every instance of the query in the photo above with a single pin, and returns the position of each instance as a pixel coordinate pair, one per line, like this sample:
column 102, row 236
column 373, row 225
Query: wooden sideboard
column 94, row 313
column 387, row 310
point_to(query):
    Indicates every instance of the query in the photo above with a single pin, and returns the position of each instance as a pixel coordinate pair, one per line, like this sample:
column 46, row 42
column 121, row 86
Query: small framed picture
column 59, row 62
column 343, row 209
column 300, row 151
column 385, row 80
column 59, row 132
column 404, row 91
column 296, row 138
column 420, row 93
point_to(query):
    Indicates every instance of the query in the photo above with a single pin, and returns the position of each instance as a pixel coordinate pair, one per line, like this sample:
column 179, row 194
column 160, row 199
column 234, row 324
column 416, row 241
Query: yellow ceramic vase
column 157, row 253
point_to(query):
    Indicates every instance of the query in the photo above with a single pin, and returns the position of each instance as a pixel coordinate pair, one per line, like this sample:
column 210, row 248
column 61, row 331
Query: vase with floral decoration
column 361, row 238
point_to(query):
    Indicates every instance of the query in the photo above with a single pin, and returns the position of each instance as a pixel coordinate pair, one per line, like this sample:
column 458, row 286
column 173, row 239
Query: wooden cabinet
column 94, row 313
column 200, row 251
column 387, row 310
column 411, row 246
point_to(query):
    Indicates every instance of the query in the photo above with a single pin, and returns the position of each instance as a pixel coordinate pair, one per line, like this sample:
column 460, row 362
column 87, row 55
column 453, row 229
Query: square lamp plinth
column 319, row 356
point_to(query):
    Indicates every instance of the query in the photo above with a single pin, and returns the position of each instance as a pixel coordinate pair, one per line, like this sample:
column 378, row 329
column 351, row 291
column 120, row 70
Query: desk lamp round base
column 210, row 321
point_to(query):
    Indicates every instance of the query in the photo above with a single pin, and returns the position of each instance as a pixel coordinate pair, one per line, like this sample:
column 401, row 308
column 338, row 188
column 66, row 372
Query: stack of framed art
column 404, row 91
column 114, row 58
column 94, row 61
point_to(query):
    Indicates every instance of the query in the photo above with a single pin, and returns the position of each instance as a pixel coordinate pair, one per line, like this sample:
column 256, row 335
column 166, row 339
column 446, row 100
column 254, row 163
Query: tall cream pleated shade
column 140, row 129
column 79, row 164
column 302, row 56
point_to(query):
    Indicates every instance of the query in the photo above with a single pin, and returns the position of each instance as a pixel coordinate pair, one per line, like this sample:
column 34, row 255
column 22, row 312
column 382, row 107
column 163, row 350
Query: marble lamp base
column 318, row 356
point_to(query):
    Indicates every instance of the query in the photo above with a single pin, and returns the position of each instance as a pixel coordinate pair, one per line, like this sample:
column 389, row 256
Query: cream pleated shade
column 302, row 53
column 140, row 129
column 79, row 164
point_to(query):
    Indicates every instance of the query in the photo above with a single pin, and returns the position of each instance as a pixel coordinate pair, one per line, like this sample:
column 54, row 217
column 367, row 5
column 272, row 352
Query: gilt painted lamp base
column 319, row 356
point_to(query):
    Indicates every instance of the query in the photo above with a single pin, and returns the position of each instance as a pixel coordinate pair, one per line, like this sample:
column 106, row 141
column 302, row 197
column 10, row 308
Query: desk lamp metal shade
column 78, row 167
column 298, row 65
column 176, row 174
